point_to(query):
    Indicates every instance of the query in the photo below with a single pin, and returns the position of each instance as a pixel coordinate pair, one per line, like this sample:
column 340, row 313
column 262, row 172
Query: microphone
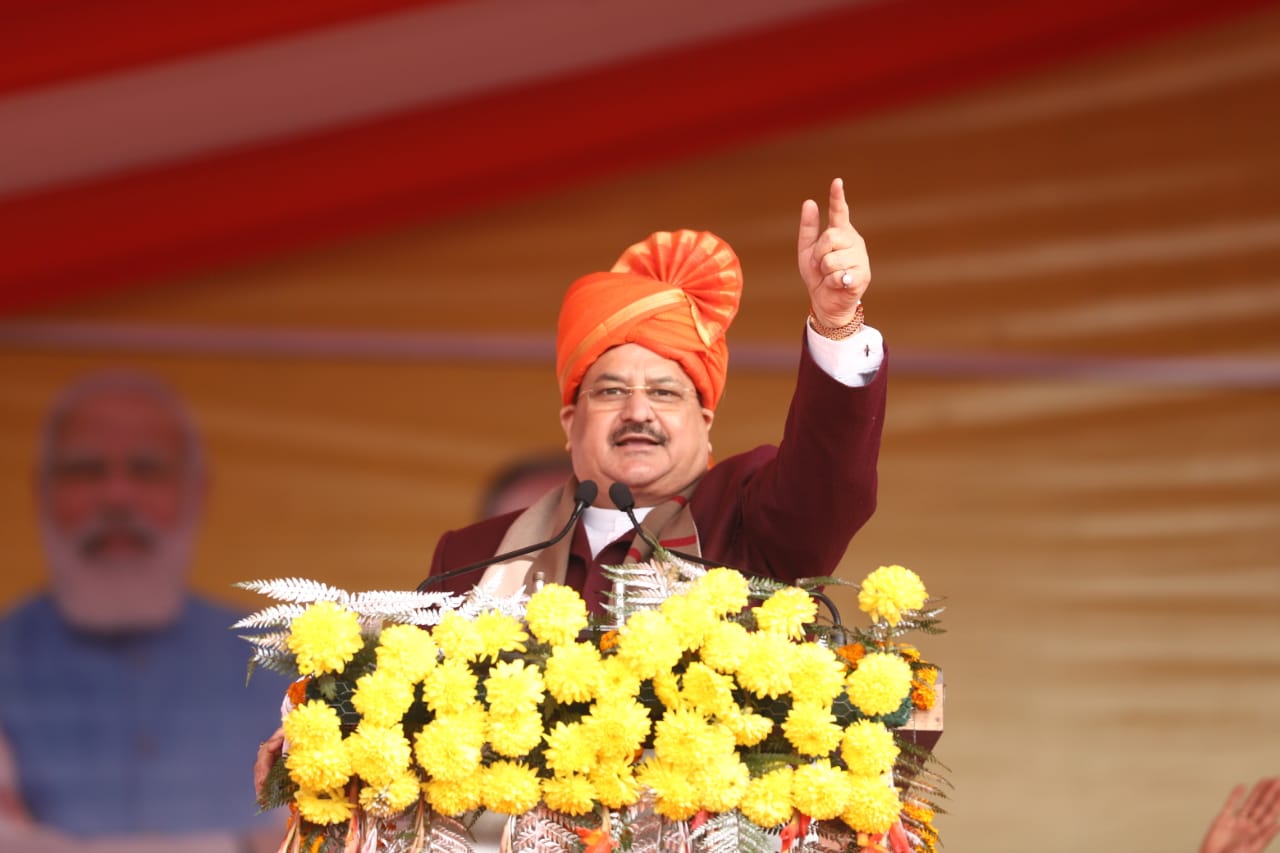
column 622, row 498
column 583, row 496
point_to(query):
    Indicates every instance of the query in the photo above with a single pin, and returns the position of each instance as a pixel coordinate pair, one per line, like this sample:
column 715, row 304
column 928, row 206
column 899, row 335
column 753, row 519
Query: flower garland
column 412, row 710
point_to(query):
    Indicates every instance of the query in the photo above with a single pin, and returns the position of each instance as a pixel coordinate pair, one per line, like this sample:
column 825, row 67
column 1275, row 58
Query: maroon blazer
column 787, row 511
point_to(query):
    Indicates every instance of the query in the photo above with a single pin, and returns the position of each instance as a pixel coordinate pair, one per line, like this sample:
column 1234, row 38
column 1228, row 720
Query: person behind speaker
column 124, row 716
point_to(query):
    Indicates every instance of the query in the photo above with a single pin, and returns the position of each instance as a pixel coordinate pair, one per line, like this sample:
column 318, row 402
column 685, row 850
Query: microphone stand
column 583, row 496
column 622, row 498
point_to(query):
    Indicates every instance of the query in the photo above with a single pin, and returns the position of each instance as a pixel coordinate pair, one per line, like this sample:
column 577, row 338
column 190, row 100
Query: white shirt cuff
column 852, row 361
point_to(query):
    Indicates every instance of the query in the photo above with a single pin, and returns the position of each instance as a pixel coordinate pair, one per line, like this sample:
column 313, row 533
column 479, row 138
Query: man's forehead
column 627, row 360
column 120, row 417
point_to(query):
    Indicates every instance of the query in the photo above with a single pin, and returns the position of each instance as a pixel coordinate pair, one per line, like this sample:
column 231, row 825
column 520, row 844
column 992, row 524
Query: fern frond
column 278, row 788
column 761, row 588
column 830, row 836
column 275, row 641
column 284, row 663
column 730, row 832
column 296, row 590
column 275, row 616
column 387, row 602
column 919, row 755
column 479, row 600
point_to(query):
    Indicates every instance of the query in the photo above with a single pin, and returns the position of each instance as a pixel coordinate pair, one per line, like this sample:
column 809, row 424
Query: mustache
column 91, row 535
column 645, row 430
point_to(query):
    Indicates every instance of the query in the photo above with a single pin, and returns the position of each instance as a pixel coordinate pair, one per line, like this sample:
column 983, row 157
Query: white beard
column 111, row 596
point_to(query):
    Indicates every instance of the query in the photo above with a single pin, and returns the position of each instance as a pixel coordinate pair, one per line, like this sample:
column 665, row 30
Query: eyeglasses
column 95, row 468
column 659, row 396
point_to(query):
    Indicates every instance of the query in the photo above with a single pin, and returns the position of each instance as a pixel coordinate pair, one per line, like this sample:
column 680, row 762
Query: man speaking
column 641, row 360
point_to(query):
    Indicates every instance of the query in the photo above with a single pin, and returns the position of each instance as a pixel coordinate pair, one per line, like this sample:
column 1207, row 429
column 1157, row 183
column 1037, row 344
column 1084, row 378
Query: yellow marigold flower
column 556, row 614
column 868, row 748
column 879, row 684
column 820, row 790
column 686, row 738
column 450, row 687
column 571, row 794
column 648, row 644
column 811, row 728
column 512, row 687
column 382, row 697
column 378, row 754
column 455, row 797
column 313, row 725
column 407, row 652
column 615, row 785
column 569, row 749
column 515, row 735
column 767, row 666
column 767, row 800
column 319, row 769
column 722, row 782
column 618, row 681
column 391, row 797
column 510, row 787
column 677, row 798
column 458, row 637
column 749, row 728
column 708, row 691
column 323, row 807
column 617, row 728
column 818, row 675
column 888, row 591
column 722, row 590
column 574, row 672
column 689, row 618
column 786, row 612
column 923, row 697
column 449, row 747
column 666, row 686
column 500, row 633
column 725, row 647
column 324, row 637
column 873, row 804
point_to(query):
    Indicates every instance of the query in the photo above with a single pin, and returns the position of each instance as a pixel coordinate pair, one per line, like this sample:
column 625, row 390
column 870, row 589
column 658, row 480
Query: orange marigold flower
column 923, row 696
column 596, row 840
column 608, row 640
column 910, row 652
column 927, row 674
column 298, row 690
column 852, row 653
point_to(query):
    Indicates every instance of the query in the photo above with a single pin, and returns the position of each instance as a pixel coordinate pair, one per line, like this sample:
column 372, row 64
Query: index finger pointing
column 837, row 206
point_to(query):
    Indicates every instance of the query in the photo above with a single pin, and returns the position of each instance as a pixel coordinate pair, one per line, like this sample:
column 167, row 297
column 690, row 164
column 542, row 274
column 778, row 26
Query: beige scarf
column 670, row 523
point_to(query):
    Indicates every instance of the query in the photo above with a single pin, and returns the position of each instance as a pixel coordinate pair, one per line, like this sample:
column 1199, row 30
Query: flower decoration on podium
column 711, row 712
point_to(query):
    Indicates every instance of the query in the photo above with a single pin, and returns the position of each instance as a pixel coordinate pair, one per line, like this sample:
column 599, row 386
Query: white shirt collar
column 607, row 525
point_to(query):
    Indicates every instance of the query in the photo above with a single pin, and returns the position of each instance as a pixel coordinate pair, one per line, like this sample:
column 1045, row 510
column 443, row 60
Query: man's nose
column 119, row 485
column 637, row 406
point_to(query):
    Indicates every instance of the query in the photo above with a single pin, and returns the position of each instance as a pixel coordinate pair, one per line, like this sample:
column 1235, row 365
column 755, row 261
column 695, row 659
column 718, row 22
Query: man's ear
column 566, row 422
column 708, row 415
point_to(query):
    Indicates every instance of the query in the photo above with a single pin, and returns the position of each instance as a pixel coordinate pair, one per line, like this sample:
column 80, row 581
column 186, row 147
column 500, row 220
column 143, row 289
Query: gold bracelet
column 837, row 333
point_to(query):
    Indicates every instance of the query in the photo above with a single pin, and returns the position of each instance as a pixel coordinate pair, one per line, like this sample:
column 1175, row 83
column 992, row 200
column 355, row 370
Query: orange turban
column 675, row 293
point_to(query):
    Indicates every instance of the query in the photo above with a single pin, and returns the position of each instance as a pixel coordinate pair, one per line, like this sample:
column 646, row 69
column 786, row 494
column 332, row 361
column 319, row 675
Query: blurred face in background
column 120, row 494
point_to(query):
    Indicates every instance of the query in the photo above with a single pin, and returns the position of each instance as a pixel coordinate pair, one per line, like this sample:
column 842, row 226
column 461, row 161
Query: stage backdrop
column 1077, row 273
